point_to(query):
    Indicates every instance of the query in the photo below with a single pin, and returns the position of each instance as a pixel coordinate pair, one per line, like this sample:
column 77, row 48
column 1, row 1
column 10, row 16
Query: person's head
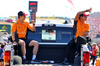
column 65, row 22
column 83, row 17
column 98, row 44
column 2, row 46
column 94, row 45
column 22, row 15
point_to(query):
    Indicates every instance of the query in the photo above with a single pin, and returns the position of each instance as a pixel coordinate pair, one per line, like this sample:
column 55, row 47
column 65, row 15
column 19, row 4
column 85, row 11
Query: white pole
column 11, row 61
column 81, row 56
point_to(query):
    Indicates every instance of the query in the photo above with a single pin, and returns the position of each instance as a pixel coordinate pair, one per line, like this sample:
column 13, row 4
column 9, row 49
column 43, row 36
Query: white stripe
column 53, row 43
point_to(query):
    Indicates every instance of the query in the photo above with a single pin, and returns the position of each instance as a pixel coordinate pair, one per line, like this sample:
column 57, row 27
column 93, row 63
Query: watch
column 86, row 10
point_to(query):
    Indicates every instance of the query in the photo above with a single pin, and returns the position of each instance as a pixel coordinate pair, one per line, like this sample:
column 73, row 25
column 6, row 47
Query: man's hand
column 81, row 12
column 15, row 43
column 75, row 40
column 89, row 10
column 33, row 27
column 32, row 21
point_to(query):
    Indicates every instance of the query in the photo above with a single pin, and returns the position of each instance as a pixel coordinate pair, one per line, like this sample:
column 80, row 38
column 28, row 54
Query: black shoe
column 35, row 61
column 65, row 62
column 24, row 61
column 76, row 54
column 92, row 64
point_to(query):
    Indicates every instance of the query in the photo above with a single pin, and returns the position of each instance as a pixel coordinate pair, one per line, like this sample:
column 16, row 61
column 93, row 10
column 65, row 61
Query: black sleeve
column 75, row 27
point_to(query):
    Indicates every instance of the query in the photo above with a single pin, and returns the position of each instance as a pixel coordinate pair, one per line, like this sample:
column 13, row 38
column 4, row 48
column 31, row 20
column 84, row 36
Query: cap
column 20, row 13
column 84, row 14
column 93, row 43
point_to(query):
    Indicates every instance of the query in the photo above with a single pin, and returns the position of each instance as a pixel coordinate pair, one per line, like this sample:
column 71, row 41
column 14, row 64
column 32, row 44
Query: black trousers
column 70, row 51
column 94, row 58
column 72, row 47
column 80, row 41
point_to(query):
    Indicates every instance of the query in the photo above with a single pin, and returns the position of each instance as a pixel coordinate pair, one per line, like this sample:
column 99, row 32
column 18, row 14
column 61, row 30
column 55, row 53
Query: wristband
column 86, row 10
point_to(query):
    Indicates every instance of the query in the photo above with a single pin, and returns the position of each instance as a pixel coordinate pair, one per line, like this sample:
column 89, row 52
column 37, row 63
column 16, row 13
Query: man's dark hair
column 2, row 46
column 20, row 13
column 81, row 16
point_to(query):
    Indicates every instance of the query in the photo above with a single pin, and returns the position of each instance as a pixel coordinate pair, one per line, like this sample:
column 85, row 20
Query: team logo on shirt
column 25, row 26
column 84, row 26
column 19, row 27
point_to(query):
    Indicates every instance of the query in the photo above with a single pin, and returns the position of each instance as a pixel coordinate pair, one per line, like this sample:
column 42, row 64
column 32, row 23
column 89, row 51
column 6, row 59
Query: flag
column 70, row 1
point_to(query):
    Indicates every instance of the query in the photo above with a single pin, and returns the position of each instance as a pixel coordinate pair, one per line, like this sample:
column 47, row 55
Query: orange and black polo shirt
column 80, row 28
column 20, row 28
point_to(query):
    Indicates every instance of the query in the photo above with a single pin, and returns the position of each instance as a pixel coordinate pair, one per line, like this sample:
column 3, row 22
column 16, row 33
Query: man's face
column 94, row 46
column 83, row 18
column 22, row 17
column 98, row 44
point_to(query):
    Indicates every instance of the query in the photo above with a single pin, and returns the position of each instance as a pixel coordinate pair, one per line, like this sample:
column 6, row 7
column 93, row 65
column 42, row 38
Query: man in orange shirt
column 81, row 30
column 20, row 26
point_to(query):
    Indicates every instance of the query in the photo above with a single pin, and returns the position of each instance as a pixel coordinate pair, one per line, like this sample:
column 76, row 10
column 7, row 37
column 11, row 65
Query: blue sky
column 48, row 7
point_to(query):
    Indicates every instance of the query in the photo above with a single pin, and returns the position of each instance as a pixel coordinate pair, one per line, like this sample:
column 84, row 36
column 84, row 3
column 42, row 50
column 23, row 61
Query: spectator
column 2, row 55
column 2, row 52
column 65, row 22
column 89, row 47
column 93, row 53
column 99, row 48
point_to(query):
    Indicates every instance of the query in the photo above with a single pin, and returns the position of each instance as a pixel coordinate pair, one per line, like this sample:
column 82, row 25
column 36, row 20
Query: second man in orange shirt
column 81, row 30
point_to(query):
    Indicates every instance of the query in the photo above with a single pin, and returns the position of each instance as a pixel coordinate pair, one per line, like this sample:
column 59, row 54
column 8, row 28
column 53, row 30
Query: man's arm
column 13, row 35
column 81, row 12
column 33, row 27
column 85, row 34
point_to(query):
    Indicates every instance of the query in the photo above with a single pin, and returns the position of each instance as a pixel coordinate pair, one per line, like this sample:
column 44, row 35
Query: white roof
column 57, row 25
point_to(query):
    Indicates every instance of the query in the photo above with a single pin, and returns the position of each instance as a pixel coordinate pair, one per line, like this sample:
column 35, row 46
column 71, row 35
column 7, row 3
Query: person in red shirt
column 93, row 53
